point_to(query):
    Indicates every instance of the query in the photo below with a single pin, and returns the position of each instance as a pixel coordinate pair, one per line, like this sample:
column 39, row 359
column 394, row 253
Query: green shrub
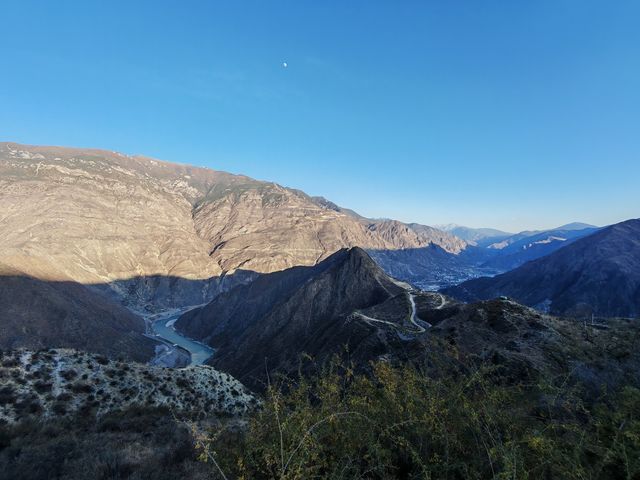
column 399, row 422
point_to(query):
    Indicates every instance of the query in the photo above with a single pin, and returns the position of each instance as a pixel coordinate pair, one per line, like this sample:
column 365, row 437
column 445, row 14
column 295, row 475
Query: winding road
column 420, row 328
column 443, row 302
column 412, row 318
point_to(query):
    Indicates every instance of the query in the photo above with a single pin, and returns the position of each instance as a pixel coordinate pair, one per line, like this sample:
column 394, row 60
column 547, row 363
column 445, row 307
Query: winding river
column 162, row 326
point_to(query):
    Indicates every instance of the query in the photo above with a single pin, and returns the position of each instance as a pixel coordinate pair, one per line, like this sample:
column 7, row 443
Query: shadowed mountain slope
column 37, row 313
column 270, row 322
column 347, row 305
column 598, row 274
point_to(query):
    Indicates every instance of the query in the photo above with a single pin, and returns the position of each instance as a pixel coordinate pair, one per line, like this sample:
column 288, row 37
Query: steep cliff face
column 156, row 233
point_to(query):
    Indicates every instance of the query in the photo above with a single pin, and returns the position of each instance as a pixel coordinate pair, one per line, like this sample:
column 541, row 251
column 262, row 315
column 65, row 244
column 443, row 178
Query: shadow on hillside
column 37, row 313
column 153, row 293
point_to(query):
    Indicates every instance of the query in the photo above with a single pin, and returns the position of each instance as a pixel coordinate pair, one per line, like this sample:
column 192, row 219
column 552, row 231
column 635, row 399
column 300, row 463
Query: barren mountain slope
column 143, row 226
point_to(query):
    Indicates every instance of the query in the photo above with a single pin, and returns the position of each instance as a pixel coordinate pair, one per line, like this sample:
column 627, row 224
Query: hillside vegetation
column 400, row 423
column 57, row 383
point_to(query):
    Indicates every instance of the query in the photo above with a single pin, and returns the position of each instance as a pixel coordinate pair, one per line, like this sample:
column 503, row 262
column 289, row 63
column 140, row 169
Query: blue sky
column 510, row 114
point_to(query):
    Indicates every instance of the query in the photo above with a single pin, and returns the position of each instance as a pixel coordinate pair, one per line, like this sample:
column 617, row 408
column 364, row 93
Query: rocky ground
column 57, row 383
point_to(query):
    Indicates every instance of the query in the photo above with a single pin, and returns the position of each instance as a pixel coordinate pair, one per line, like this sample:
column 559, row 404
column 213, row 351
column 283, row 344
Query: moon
column 284, row 65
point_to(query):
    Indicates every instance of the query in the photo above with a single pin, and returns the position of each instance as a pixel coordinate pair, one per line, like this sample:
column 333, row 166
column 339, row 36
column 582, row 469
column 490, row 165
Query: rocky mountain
column 481, row 237
column 347, row 305
column 40, row 312
column 323, row 202
column 52, row 383
column 266, row 325
column 152, row 233
column 598, row 274
column 513, row 251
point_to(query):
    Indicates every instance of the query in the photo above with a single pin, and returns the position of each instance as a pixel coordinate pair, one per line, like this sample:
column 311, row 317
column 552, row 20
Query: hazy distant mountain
column 521, row 238
column 162, row 234
column 432, row 268
column 481, row 237
column 597, row 274
column 575, row 226
column 525, row 246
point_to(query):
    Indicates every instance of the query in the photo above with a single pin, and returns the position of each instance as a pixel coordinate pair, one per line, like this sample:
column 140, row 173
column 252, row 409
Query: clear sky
column 509, row 114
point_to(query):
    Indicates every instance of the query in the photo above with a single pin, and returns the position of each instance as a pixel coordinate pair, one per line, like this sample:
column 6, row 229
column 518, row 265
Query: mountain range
column 520, row 248
column 111, row 265
column 598, row 274
column 91, row 231
column 152, row 233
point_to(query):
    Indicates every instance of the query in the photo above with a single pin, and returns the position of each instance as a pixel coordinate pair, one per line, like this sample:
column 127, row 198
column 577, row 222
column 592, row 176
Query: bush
column 69, row 374
column 42, row 387
column 81, row 387
column 400, row 423
column 135, row 444
column 59, row 407
column 7, row 395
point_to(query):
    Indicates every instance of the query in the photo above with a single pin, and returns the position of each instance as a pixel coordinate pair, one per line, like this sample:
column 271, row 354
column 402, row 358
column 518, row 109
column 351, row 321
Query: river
column 162, row 326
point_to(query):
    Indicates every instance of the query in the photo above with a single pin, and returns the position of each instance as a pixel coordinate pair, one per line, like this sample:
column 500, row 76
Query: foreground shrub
column 133, row 444
column 399, row 423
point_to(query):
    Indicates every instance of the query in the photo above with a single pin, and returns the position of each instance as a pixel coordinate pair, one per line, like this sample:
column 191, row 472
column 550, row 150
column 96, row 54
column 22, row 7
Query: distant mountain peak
column 575, row 226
